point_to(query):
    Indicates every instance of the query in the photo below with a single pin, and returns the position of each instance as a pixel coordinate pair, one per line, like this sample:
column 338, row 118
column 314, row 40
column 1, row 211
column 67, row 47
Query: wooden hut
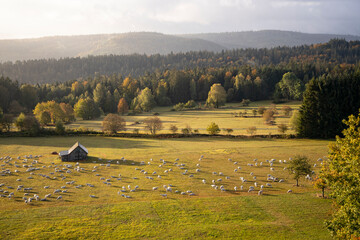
column 75, row 153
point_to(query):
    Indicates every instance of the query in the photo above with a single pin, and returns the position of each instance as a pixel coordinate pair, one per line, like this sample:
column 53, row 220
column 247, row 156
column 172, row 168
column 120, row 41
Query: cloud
column 31, row 18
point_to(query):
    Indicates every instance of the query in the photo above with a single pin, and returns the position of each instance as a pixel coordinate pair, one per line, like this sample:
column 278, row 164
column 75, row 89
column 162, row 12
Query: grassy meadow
column 146, row 213
column 200, row 119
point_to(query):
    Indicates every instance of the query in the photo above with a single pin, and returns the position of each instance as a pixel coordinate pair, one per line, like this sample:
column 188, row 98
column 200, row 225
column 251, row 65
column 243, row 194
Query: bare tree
column 153, row 124
column 113, row 123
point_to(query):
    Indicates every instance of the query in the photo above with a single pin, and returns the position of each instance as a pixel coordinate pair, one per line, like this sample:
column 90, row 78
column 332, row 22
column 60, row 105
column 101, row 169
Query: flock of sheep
column 63, row 180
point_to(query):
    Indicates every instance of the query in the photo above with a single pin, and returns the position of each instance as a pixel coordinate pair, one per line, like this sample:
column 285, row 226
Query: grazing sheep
column 92, row 196
column 155, row 188
column 203, row 181
column 59, row 197
column 163, row 195
column 260, row 192
column 289, row 191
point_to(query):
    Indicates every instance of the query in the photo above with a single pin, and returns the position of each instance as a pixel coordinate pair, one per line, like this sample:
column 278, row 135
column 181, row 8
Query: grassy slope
column 211, row 213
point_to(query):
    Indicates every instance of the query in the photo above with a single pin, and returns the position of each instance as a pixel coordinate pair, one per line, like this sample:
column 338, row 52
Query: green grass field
column 201, row 119
column 210, row 213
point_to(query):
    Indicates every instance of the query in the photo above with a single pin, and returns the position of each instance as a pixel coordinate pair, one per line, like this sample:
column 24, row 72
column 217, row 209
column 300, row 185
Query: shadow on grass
column 66, row 142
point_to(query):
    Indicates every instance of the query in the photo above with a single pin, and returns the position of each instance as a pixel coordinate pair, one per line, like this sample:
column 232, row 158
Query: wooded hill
column 52, row 70
column 153, row 43
column 267, row 38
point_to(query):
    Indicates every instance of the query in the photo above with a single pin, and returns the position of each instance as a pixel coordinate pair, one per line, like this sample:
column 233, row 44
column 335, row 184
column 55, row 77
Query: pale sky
column 37, row 18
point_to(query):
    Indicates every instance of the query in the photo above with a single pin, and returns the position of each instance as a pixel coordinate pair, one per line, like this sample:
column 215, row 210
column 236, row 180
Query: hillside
column 103, row 44
column 267, row 38
column 152, row 43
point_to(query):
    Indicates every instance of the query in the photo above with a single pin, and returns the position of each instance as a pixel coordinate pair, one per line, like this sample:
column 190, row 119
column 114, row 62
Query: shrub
column 251, row 130
column 261, row 110
column 173, row 128
column 136, row 131
column 254, row 112
column 59, row 128
column 286, row 110
column 282, row 128
column 179, row 107
column 295, row 121
column 187, row 130
column 19, row 122
column 229, row 130
column 213, row 128
column 190, row 104
column 6, row 122
column 245, row 102
column 269, row 116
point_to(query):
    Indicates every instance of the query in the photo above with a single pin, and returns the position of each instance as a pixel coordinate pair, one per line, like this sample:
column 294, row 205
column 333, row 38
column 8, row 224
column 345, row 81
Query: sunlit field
column 200, row 119
column 159, row 189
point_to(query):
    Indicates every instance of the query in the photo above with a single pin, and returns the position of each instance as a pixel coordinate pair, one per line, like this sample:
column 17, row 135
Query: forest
column 307, row 57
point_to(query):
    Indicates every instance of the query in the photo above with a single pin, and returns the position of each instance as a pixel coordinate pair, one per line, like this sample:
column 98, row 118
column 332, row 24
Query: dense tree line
column 328, row 100
column 311, row 58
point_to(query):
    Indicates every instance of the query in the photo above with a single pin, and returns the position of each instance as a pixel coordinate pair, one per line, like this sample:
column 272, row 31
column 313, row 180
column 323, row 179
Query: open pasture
column 159, row 188
column 200, row 119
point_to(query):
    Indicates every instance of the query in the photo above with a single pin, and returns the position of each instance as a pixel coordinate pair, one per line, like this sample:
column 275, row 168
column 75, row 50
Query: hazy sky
column 36, row 18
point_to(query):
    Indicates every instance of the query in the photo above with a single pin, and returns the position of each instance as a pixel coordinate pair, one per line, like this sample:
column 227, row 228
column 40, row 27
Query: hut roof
column 77, row 144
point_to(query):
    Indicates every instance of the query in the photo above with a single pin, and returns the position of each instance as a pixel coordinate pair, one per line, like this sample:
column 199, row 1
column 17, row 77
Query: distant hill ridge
column 267, row 38
column 152, row 43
